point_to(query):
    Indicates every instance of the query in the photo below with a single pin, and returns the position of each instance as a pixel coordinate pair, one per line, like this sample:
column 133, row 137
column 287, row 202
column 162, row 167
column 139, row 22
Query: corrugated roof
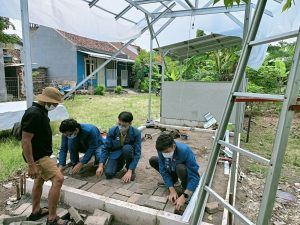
column 207, row 43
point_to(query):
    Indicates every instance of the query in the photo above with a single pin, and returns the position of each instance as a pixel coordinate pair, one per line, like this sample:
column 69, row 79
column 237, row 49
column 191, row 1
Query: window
column 90, row 66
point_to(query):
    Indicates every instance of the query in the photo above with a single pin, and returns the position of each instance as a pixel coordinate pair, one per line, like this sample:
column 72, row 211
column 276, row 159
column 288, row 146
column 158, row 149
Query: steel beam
column 123, row 12
column 189, row 4
column 275, row 38
column 92, row 3
column 234, row 19
column 139, row 8
column 202, row 11
column 163, row 26
column 140, row 2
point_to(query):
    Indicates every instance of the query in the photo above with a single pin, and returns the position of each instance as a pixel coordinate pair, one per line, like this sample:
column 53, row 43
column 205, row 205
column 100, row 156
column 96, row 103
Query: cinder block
column 212, row 207
column 21, row 209
column 96, row 220
column 75, row 216
column 99, row 212
column 82, row 199
column 129, row 213
column 124, row 192
column 154, row 205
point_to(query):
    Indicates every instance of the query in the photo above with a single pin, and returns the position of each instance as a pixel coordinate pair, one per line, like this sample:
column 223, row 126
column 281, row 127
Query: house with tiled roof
column 71, row 57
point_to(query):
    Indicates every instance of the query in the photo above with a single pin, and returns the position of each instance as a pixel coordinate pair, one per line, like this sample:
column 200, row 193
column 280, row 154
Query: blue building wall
column 80, row 66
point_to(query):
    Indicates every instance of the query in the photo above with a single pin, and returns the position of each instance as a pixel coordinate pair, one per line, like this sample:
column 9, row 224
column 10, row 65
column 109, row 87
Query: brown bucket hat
column 51, row 95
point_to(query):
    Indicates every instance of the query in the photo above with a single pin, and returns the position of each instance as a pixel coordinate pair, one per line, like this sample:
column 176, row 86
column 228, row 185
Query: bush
column 118, row 89
column 99, row 90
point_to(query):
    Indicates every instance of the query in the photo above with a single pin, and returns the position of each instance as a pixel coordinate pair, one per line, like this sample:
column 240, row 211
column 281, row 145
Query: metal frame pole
column 150, row 78
column 27, row 54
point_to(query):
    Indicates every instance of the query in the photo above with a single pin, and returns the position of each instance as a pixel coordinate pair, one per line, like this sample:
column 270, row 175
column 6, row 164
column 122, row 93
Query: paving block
column 119, row 197
column 142, row 199
column 21, row 209
column 158, row 199
column 154, row 204
column 212, row 207
column 115, row 183
column 170, row 207
column 99, row 212
column 96, row 220
column 127, row 185
column 134, row 198
column 8, row 220
column 75, row 216
column 63, row 213
column 31, row 222
column 87, row 186
column 110, row 192
column 124, row 192
column 161, row 191
column 99, row 189
column 75, row 183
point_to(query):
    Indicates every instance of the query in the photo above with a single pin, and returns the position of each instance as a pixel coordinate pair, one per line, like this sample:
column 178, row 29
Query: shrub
column 118, row 89
column 99, row 90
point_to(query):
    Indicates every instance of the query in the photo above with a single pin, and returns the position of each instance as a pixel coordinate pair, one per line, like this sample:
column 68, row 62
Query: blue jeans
column 115, row 165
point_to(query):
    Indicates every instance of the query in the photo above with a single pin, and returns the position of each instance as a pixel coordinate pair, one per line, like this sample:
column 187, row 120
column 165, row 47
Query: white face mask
column 168, row 154
column 49, row 108
column 72, row 136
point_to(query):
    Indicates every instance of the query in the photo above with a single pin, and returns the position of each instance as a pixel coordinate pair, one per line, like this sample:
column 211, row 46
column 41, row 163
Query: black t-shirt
column 36, row 121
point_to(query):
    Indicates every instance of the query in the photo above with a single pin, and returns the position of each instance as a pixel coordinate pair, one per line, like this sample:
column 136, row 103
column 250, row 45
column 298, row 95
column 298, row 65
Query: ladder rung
column 245, row 152
column 228, row 206
column 279, row 37
column 259, row 96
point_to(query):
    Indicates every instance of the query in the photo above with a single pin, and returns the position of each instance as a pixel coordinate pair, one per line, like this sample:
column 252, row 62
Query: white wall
column 186, row 103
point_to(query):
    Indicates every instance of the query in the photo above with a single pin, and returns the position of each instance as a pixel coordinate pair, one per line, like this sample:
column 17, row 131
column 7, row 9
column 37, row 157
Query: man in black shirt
column 37, row 147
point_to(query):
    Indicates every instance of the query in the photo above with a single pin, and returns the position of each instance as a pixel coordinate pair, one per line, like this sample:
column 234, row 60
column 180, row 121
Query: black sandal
column 40, row 214
column 55, row 222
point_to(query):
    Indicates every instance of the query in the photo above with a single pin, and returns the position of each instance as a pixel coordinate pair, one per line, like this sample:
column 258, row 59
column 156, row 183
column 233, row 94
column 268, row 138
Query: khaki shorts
column 47, row 168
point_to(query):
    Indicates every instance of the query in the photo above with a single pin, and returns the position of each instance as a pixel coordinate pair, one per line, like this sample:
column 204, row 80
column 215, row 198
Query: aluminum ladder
column 289, row 100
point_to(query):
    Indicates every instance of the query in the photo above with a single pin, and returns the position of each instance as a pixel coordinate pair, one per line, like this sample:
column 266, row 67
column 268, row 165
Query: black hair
column 164, row 141
column 68, row 125
column 126, row 117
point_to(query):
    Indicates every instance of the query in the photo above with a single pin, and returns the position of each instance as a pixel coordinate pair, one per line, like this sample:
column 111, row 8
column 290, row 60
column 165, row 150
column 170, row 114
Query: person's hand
column 100, row 169
column 77, row 168
column 179, row 202
column 33, row 171
column 127, row 176
column 173, row 195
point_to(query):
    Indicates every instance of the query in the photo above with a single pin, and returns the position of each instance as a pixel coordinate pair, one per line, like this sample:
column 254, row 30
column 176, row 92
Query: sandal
column 36, row 216
column 55, row 221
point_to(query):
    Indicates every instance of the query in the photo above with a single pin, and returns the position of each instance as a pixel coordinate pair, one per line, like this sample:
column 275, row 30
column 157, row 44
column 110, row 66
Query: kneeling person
column 122, row 146
column 176, row 160
column 84, row 138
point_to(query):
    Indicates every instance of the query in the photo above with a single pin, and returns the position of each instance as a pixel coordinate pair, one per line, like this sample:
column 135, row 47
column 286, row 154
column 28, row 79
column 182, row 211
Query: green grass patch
column 101, row 111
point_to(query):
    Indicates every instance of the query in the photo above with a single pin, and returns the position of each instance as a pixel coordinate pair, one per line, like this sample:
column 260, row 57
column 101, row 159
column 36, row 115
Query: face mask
column 72, row 136
column 123, row 129
column 168, row 154
column 49, row 108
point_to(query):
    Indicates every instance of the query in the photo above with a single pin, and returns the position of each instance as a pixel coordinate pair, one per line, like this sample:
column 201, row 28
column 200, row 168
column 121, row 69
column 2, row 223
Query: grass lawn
column 101, row 111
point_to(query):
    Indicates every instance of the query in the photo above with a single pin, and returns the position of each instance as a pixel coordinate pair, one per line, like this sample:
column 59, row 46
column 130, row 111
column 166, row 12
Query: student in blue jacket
column 122, row 146
column 76, row 137
column 176, row 160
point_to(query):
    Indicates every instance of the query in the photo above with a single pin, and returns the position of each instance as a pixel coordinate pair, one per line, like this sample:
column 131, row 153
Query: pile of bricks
column 19, row 216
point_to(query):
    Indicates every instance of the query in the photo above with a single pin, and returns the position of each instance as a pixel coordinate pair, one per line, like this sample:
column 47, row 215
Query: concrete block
column 154, row 205
column 212, row 207
column 87, row 186
column 161, row 191
column 96, row 220
column 82, row 199
column 134, row 198
column 8, row 220
column 75, row 183
column 142, row 200
column 62, row 213
column 21, row 209
column 75, row 216
column 124, row 192
column 31, row 222
column 119, row 197
column 46, row 187
column 110, row 192
column 108, row 216
column 170, row 207
column 158, row 199
column 127, row 185
column 129, row 213
column 99, row 189
column 165, row 218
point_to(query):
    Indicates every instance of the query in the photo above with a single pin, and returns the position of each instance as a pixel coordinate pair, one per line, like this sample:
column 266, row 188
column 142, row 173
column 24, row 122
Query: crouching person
column 78, row 137
column 122, row 146
column 176, row 160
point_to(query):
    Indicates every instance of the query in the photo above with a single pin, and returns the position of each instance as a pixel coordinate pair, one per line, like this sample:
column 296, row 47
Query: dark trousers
column 180, row 171
column 115, row 165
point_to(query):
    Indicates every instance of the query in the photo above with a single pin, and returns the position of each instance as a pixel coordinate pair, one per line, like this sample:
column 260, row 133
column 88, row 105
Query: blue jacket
column 113, row 146
column 89, row 138
column 182, row 155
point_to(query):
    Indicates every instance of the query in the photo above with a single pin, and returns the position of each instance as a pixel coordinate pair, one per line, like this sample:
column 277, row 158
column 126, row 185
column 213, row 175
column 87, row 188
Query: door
column 111, row 77
column 124, row 78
